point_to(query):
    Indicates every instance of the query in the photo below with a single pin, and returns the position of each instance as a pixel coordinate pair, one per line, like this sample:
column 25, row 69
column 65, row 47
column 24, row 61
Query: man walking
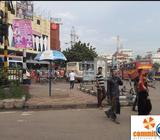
column 113, row 92
column 136, row 80
column 101, row 93
column 72, row 76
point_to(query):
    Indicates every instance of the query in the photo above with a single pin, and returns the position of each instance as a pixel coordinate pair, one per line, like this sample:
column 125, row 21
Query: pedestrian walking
column 135, row 81
column 101, row 92
column 26, row 77
column 144, row 103
column 72, row 76
column 38, row 75
column 113, row 93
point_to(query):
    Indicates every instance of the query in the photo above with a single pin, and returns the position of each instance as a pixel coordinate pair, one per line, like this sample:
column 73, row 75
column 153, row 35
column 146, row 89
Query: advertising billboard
column 56, row 20
column 22, row 33
column 24, row 9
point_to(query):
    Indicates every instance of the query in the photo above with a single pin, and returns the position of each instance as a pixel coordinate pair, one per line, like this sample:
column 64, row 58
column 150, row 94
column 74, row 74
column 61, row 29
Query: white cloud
column 149, row 20
column 91, row 31
column 66, row 15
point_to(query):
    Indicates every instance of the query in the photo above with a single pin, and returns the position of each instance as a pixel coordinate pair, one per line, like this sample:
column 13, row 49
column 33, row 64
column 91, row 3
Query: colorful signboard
column 22, row 33
column 24, row 9
column 56, row 20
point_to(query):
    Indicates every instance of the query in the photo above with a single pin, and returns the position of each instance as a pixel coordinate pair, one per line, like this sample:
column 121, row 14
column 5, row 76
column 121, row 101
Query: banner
column 56, row 20
column 22, row 33
column 24, row 9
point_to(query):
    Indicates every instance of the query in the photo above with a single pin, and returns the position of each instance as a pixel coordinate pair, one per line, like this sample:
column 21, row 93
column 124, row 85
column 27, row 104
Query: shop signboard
column 24, row 9
column 22, row 33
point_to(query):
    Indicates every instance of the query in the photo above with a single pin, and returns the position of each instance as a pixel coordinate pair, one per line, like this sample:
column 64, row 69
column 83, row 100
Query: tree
column 80, row 52
column 156, row 66
column 138, row 57
column 131, row 59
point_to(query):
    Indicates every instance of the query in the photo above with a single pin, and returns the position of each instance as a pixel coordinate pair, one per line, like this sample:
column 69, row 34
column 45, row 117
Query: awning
column 37, row 62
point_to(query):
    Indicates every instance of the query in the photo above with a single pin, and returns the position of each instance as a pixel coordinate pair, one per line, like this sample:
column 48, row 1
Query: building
column 127, row 52
column 40, row 29
column 43, row 33
column 156, row 57
column 108, row 57
column 54, row 35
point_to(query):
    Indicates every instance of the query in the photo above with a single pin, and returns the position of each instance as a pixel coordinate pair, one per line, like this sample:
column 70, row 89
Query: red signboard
column 54, row 26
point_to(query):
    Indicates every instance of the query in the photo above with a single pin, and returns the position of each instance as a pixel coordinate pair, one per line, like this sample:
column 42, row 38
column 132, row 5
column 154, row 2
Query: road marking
column 60, row 89
column 8, row 112
column 27, row 113
column 20, row 120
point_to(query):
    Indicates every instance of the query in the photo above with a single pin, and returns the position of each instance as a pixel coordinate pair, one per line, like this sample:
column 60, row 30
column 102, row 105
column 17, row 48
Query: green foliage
column 13, row 91
column 80, row 52
column 156, row 66
column 138, row 57
column 60, row 63
column 131, row 59
column 1, row 74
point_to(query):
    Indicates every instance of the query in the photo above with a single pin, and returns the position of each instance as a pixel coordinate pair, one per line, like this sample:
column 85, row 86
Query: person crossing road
column 113, row 93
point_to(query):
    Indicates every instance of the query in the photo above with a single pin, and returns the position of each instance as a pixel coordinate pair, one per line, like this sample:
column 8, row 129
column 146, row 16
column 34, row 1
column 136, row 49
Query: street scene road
column 69, row 124
column 78, row 124
column 79, row 70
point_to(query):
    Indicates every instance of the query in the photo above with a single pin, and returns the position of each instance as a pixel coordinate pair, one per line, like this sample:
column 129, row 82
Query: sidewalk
column 62, row 97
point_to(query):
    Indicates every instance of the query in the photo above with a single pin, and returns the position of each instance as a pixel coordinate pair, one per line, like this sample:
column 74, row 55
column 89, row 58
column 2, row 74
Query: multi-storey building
column 156, row 57
column 41, row 31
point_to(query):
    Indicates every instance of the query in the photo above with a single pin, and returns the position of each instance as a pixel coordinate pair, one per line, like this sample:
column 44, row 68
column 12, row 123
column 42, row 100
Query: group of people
column 113, row 93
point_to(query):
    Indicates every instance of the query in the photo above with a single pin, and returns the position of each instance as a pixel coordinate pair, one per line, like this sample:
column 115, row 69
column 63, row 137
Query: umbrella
column 50, row 55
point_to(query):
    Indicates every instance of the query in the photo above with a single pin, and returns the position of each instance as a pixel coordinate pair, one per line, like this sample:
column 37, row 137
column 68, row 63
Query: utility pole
column 8, row 7
column 74, row 37
column 118, row 43
column 6, row 41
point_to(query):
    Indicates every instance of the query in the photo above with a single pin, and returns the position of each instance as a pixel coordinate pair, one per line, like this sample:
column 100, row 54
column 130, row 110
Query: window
column 81, row 66
column 38, row 21
column 71, row 64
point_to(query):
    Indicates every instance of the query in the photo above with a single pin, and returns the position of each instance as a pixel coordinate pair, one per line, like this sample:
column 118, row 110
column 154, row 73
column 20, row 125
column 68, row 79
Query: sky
column 99, row 22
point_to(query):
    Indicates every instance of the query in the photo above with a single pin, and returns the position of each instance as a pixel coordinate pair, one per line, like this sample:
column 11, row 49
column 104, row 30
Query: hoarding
column 24, row 9
column 56, row 20
column 22, row 33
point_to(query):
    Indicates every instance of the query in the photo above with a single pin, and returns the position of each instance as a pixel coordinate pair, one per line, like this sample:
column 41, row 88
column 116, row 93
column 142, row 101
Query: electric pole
column 74, row 37
column 118, row 43
column 6, row 41
column 8, row 7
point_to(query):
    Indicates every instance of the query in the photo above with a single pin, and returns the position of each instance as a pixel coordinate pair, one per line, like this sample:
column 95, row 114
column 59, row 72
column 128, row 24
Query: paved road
column 84, row 124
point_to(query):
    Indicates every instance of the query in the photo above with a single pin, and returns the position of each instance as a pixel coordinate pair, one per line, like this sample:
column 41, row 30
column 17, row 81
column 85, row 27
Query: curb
column 123, row 99
column 66, row 106
column 60, row 106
